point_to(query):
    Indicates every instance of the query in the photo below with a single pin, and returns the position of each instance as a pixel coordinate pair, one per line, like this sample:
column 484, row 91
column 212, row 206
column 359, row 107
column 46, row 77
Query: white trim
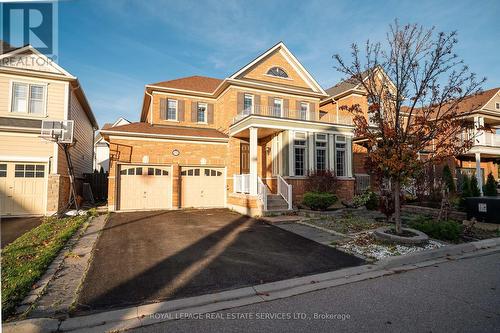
column 180, row 90
column 291, row 60
column 46, row 59
column 176, row 110
column 156, row 92
column 494, row 95
column 291, row 158
column 205, row 113
column 66, row 101
column 28, row 84
column 280, row 88
column 202, row 141
column 283, row 127
column 269, row 92
column 13, row 158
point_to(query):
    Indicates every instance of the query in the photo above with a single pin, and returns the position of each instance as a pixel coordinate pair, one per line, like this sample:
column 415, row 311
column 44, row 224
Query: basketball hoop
column 61, row 132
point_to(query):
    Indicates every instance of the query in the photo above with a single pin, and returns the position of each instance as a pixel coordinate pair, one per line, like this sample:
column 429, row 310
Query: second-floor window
column 304, row 110
column 202, row 113
column 28, row 98
column 277, row 107
column 172, row 109
column 248, row 104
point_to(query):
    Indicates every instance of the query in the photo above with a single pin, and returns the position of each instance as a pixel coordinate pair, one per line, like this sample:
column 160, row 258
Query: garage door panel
column 145, row 187
column 23, row 188
column 202, row 187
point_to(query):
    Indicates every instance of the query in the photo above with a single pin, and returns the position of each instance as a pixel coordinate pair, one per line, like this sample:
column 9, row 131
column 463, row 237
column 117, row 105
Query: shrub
column 448, row 230
column 474, row 187
column 448, row 180
column 368, row 199
column 318, row 200
column 490, row 188
column 321, row 181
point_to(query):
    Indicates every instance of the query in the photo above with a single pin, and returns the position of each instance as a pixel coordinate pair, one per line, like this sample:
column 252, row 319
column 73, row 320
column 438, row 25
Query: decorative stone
column 419, row 238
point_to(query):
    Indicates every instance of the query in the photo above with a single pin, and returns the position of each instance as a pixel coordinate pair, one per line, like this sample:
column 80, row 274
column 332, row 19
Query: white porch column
column 331, row 152
column 253, row 160
column 349, row 156
column 478, row 172
column 311, row 165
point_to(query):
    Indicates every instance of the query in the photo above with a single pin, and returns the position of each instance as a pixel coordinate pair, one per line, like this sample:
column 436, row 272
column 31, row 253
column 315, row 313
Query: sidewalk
column 144, row 315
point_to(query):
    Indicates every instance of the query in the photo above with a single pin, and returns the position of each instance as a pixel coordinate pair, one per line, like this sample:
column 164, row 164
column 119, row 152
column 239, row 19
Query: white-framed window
column 321, row 141
column 28, row 98
column 497, row 106
column 278, row 72
column 248, row 104
column 29, row 171
column 304, row 110
column 277, row 107
column 172, row 107
column 299, row 153
column 201, row 113
column 340, row 156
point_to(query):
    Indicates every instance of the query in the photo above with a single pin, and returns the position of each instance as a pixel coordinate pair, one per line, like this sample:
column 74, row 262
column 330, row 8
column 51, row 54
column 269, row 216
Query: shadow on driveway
column 144, row 257
column 13, row 227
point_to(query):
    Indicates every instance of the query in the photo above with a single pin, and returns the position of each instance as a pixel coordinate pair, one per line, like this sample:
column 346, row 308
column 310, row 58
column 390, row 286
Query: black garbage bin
column 484, row 209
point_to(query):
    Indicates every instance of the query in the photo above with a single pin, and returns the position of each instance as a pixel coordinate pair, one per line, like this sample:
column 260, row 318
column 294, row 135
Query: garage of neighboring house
column 203, row 186
column 145, row 187
column 23, row 188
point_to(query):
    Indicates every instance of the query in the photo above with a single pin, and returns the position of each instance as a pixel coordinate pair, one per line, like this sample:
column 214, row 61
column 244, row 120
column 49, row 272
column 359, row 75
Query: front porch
column 274, row 164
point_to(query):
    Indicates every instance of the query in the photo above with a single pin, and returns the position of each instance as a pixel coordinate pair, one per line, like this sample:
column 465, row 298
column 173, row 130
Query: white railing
column 285, row 190
column 262, row 192
column 241, row 183
column 271, row 111
column 492, row 139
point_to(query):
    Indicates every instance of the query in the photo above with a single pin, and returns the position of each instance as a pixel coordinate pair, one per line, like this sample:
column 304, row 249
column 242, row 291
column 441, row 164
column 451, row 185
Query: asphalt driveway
column 14, row 227
column 144, row 257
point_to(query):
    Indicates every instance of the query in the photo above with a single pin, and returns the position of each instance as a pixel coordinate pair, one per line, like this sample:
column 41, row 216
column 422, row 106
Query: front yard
column 26, row 259
column 357, row 227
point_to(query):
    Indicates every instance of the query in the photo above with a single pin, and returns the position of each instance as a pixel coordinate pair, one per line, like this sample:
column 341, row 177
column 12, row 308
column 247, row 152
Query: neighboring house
column 33, row 172
column 101, row 146
column 246, row 142
column 483, row 111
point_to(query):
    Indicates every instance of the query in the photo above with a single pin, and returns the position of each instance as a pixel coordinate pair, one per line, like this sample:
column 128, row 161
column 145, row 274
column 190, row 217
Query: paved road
column 457, row 296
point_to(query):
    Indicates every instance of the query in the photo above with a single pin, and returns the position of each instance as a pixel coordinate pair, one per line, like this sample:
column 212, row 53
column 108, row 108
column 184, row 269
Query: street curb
column 148, row 314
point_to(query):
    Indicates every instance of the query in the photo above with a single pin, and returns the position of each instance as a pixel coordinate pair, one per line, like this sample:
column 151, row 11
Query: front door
column 245, row 158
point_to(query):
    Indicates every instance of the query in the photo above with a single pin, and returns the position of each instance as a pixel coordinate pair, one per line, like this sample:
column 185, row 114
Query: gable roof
column 294, row 62
column 346, row 85
column 194, row 83
column 476, row 101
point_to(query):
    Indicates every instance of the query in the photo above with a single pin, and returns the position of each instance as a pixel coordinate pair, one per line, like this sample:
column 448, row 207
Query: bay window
column 28, row 98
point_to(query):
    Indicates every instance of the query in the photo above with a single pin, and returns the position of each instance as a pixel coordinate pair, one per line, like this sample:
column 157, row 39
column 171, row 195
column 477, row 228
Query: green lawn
column 26, row 259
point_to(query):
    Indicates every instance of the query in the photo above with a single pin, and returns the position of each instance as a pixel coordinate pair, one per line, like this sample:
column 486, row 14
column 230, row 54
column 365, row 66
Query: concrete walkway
column 61, row 292
column 311, row 233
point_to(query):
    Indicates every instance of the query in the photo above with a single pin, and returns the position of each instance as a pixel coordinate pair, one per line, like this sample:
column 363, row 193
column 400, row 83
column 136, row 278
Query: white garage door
column 23, row 188
column 202, row 187
column 145, row 187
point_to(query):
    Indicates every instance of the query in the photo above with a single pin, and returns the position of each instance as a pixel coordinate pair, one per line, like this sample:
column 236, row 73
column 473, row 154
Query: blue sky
column 115, row 47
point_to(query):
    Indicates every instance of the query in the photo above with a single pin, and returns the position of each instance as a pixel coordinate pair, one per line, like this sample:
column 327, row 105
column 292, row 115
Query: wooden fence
column 99, row 184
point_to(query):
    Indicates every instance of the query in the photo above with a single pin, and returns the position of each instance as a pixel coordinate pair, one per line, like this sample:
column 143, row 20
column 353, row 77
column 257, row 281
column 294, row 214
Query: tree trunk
column 397, row 206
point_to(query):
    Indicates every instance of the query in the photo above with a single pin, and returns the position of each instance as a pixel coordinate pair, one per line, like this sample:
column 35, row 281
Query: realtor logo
column 30, row 22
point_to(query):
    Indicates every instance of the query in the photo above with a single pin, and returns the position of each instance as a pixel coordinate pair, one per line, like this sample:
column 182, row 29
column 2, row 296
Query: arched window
column 277, row 71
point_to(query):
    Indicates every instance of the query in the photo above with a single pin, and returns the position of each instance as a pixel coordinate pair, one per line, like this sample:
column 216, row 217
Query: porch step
column 275, row 202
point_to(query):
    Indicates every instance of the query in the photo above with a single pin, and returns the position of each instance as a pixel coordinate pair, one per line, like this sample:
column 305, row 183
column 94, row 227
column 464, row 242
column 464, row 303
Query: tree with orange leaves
column 414, row 84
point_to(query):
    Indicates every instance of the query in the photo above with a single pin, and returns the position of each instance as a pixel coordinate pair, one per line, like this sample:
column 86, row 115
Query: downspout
column 150, row 106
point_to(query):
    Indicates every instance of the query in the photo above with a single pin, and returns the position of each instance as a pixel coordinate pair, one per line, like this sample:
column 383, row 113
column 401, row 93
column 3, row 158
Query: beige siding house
column 33, row 175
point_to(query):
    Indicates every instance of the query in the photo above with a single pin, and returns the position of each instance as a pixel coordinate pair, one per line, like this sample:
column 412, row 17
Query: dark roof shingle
column 145, row 128
column 194, row 83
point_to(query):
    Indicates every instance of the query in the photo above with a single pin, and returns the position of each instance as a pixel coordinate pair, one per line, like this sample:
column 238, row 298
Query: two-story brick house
column 245, row 142
column 33, row 172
